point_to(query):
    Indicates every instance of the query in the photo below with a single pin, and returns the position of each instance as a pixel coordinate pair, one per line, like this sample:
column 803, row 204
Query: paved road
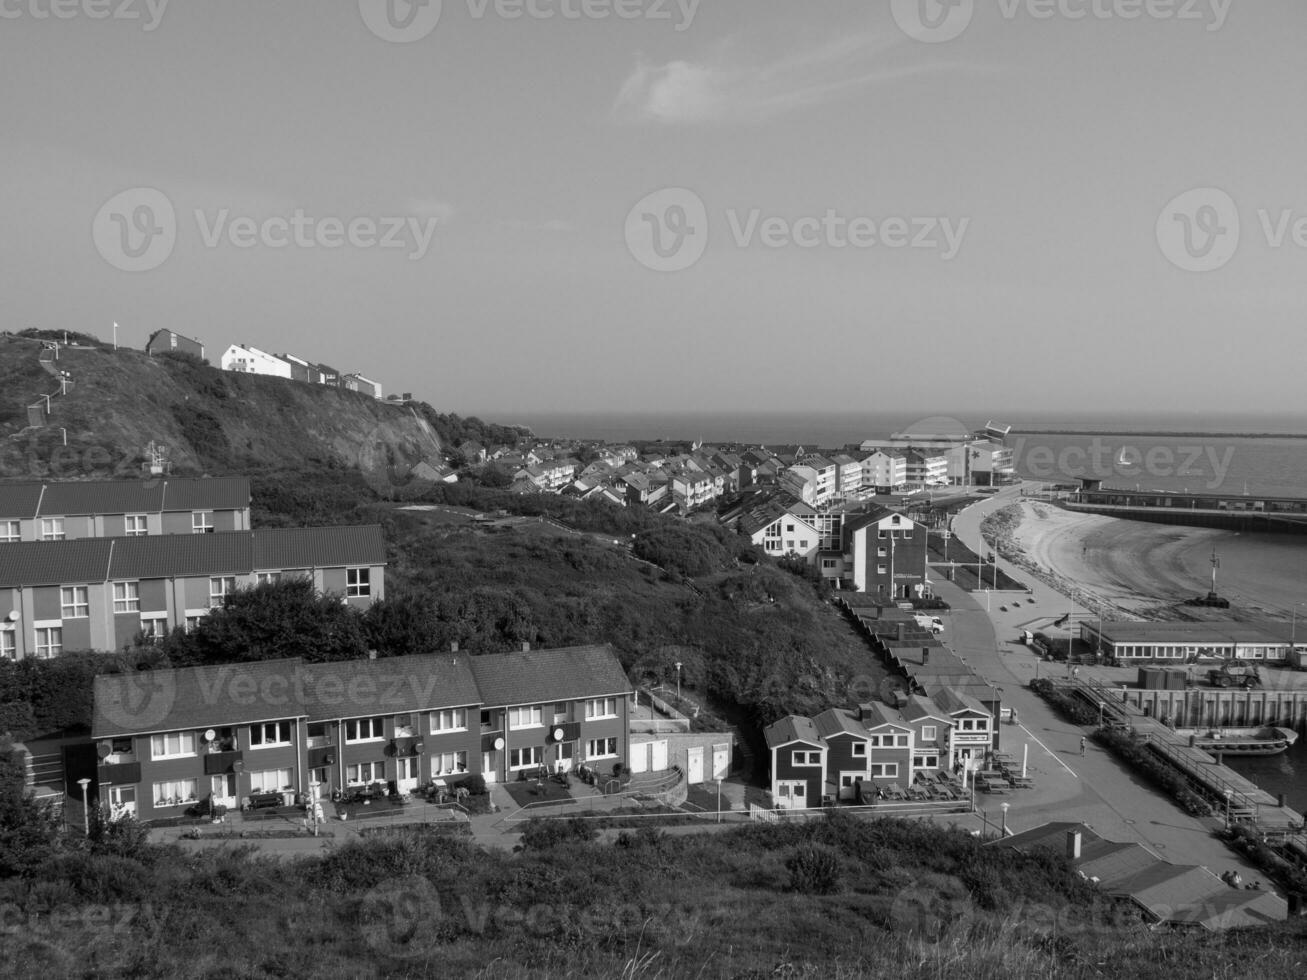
column 1094, row 788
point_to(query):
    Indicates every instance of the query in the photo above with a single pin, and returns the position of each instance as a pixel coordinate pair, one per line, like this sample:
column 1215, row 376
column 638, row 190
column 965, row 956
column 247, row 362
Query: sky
column 1006, row 206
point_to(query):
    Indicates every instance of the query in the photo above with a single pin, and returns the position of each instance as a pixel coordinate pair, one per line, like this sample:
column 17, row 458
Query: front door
column 639, row 758
column 792, row 794
column 848, row 785
column 721, row 762
column 122, row 802
column 695, row 760
column 407, row 777
column 658, row 757
column 488, row 766
column 566, row 753
column 224, row 790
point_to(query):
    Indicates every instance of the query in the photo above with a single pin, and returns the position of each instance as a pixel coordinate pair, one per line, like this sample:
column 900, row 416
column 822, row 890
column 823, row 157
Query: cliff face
column 211, row 421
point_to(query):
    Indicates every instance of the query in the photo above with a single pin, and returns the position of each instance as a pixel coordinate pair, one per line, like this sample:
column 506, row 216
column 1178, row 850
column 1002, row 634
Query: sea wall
column 1203, row 707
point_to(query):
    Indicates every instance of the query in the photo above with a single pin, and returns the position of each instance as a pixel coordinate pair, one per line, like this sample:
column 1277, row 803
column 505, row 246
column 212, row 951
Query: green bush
column 814, row 870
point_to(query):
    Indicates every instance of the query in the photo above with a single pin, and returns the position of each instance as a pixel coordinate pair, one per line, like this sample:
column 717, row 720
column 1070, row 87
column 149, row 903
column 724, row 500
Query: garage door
column 658, row 756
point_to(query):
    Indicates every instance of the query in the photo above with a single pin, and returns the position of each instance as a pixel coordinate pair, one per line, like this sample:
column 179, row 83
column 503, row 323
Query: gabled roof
column 954, row 701
column 839, row 721
column 793, row 728
column 1233, row 909
column 1162, row 888
column 150, row 495
column 856, row 522
column 388, row 686
column 539, row 676
column 30, row 563
column 918, row 708
column 193, row 698
column 317, row 547
column 880, row 715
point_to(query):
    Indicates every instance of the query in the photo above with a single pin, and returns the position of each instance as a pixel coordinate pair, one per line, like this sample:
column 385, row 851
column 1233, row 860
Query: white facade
column 251, row 360
column 883, row 468
column 801, row 482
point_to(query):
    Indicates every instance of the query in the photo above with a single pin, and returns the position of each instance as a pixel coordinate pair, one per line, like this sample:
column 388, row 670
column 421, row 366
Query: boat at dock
column 1266, row 740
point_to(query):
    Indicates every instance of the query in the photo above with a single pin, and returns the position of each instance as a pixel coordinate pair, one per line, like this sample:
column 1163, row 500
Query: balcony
column 221, row 763
column 320, row 741
column 120, row 773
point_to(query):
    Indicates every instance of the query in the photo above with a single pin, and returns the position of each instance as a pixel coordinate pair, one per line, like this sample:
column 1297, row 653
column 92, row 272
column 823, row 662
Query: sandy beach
column 1138, row 567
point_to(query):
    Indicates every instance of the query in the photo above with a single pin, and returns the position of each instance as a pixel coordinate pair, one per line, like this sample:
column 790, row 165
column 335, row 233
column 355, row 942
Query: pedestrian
column 1082, row 745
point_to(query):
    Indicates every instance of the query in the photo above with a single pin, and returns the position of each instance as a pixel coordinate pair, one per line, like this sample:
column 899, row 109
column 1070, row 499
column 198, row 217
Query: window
column 365, row 772
column 601, row 748
column 136, row 526
column 49, row 642
column 901, row 741
column 829, row 563
column 193, row 623
column 601, row 708
column 885, row 770
column 789, row 544
column 10, row 532
column 358, row 582
column 927, row 762
column 126, row 597
column 807, row 758
column 789, row 528
column 448, row 763
column 269, row 733
column 365, row 730
column 219, row 589
column 929, row 733
column 882, row 552
column 172, row 745
column 8, row 643
column 451, row 720
column 74, row 602
column 267, row 578
column 525, row 758
column 202, row 522
column 155, row 628
column 881, row 569
column 52, row 529
column 175, row 792
column 525, row 718
column 271, row 781
column 859, row 750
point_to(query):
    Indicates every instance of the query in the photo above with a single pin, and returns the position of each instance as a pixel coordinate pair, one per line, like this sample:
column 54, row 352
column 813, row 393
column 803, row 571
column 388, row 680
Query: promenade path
column 1095, row 788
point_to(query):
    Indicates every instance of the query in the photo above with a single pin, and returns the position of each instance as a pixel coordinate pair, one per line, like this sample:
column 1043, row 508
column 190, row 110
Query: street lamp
column 678, row 680
column 1004, row 808
column 86, row 804
column 1228, row 793
column 1101, row 706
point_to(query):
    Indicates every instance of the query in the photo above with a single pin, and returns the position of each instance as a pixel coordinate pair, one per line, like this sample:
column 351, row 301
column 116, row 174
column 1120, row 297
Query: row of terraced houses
column 167, row 740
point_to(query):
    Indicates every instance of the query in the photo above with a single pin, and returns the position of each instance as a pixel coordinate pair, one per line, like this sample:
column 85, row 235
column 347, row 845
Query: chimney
column 1073, row 845
column 453, row 646
column 526, row 646
column 925, row 656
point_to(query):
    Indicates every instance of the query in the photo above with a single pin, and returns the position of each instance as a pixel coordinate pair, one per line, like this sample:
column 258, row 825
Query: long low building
column 1124, row 642
column 169, row 740
column 99, row 593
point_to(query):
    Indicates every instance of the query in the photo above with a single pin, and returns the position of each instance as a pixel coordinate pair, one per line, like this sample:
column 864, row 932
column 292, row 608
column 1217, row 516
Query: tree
column 273, row 621
column 402, row 625
column 29, row 831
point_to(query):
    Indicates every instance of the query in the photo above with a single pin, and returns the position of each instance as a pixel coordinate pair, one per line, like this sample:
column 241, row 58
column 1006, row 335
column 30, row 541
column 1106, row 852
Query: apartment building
column 293, row 729
column 69, row 511
column 885, row 470
column 884, row 553
column 99, row 593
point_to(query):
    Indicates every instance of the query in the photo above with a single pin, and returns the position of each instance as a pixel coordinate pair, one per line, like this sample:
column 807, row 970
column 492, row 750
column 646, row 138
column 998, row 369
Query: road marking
column 1055, row 758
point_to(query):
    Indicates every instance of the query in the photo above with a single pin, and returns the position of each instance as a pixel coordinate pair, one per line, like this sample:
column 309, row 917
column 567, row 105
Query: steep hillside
column 212, row 421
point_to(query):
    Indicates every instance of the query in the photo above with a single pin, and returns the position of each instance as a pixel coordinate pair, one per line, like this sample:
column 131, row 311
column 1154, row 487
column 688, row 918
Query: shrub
column 541, row 834
column 814, row 870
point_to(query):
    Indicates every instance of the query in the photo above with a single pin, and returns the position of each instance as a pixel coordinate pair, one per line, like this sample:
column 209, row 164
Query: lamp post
column 1004, row 808
column 678, row 680
column 86, row 805
column 1101, row 706
column 1228, row 793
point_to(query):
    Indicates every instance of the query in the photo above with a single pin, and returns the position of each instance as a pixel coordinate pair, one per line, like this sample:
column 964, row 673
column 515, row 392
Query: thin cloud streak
column 684, row 93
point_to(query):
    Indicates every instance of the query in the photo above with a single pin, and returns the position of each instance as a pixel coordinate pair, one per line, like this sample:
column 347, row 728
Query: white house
column 251, row 360
column 885, row 469
column 801, row 481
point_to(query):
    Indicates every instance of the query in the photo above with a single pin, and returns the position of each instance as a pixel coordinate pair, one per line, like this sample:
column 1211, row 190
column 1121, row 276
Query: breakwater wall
column 1213, row 707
